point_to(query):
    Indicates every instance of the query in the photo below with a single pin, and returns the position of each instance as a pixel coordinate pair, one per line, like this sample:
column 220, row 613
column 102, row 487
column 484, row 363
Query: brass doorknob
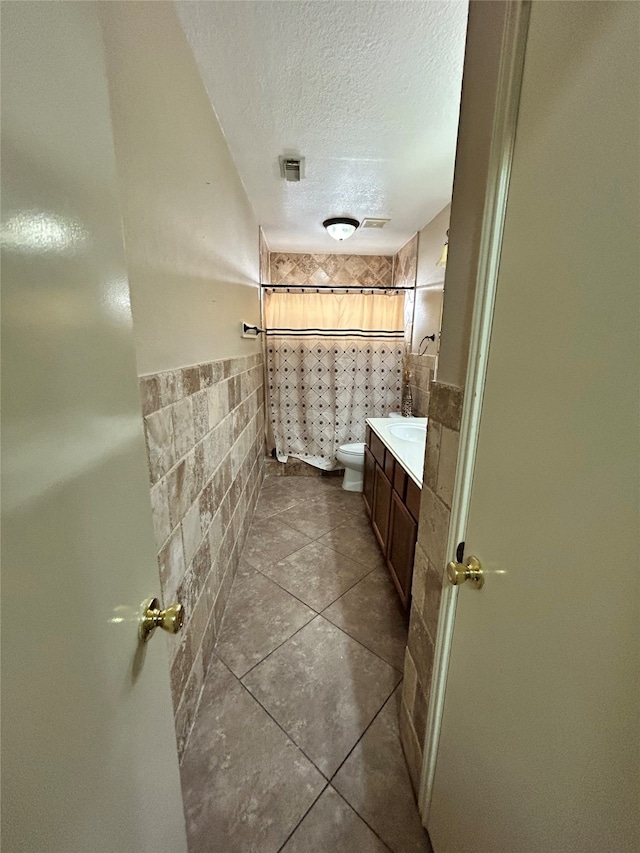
column 471, row 571
column 170, row 619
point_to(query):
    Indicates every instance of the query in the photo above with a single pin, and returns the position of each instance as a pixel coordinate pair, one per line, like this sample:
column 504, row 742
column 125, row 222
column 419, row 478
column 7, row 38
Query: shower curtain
column 333, row 360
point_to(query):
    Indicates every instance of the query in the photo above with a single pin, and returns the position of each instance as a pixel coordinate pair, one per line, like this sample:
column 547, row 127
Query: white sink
column 409, row 432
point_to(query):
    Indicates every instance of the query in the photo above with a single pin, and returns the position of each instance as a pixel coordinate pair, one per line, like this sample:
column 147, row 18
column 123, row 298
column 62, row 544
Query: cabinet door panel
column 399, row 480
column 389, row 465
column 381, row 508
column 402, row 545
column 377, row 448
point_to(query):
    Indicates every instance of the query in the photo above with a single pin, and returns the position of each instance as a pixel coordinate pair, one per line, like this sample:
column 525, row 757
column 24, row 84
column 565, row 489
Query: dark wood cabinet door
column 376, row 446
column 369, row 475
column 401, row 549
column 381, row 508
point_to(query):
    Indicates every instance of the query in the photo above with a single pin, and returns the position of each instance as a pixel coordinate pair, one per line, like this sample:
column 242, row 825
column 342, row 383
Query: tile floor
column 295, row 745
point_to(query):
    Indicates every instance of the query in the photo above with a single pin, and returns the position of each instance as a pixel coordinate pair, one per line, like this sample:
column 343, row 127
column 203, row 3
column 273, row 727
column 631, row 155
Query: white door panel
column 539, row 743
column 89, row 754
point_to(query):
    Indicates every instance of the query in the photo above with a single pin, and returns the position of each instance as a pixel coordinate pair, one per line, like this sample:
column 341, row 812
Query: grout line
column 369, row 568
column 355, row 583
column 293, row 595
column 324, row 776
column 358, row 815
column 317, row 616
column 345, row 759
column 297, row 631
column 265, row 575
column 270, row 715
column 286, row 841
column 356, row 640
column 328, row 780
column 342, row 554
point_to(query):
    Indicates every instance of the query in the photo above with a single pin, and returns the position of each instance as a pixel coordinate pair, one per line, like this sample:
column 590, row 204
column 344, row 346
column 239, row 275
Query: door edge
column 507, row 103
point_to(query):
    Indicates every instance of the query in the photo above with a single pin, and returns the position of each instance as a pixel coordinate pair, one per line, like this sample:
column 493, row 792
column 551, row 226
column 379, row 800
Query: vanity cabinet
column 392, row 501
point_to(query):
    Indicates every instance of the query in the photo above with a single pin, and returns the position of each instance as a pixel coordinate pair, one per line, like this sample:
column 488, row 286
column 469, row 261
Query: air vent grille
column 292, row 168
column 373, row 223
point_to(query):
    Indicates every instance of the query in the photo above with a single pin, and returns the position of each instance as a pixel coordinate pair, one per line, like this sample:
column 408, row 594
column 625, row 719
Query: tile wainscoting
column 445, row 410
column 422, row 368
column 204, row 427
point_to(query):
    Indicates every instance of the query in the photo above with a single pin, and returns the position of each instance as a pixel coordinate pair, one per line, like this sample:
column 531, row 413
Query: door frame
column 507, row 102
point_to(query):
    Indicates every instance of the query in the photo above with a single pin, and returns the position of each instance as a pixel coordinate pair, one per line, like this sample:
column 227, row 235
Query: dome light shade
column 340, row 227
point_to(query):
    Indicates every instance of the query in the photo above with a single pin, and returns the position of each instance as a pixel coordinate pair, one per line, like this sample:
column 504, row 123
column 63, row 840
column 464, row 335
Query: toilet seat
column 355, row 449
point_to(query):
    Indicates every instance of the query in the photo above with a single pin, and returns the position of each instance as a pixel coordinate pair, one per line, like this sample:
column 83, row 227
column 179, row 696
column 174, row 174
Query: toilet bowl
column 352, row 457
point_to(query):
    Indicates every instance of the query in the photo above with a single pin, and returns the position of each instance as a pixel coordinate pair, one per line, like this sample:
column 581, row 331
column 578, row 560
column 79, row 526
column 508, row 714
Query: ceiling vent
column 292, row 168
column 373, row 223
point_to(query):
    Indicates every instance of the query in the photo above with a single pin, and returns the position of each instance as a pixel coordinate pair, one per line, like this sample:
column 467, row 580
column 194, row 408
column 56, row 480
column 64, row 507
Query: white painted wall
column 191, row 235
column 484, row 37
column 430, row 280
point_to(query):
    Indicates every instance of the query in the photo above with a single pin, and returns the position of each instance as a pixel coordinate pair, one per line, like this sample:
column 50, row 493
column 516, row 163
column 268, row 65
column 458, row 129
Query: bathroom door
column 539, row 741
column 89, row 758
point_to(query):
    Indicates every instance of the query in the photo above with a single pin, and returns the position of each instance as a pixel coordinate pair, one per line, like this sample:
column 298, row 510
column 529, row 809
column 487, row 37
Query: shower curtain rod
column 358, row 287
column 389, row 334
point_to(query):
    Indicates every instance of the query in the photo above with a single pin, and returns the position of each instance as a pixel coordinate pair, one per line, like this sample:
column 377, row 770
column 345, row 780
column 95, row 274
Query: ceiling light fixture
column 340, row 227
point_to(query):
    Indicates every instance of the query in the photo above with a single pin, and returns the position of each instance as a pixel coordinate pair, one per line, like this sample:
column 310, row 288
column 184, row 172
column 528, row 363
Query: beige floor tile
column 313, row 517
column 259, row 616
column 332, row 826
column 374, row 780
column 272, row 501
column 349, row 502
column 371, row 613
column 354, row 538
column 245, row 784
column 324, row 689
column 315, row 574
column 300, row 488
column 269, row 542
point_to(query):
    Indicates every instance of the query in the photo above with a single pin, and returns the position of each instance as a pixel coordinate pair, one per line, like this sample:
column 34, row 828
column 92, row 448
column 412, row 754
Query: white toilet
column 352, row 457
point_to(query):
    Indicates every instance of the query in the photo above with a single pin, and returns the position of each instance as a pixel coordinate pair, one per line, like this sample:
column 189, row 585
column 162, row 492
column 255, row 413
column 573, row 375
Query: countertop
column 410, row 454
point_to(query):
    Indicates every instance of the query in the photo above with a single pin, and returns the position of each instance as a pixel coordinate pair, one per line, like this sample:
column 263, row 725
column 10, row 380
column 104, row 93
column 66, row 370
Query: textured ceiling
column 367, row 92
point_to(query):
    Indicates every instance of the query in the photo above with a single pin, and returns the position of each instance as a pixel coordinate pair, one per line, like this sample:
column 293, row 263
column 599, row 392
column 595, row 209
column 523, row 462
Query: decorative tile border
column 444, row 412
column 204, row 427
column 364, row 270
column 405, row 264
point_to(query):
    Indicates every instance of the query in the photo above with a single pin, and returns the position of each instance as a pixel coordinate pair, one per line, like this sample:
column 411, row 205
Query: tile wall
column 405, row 269
column 364, row 270
column 263, row 248
column 422, row 368
column 405, row 264
column 445, row 411
column 204, row 428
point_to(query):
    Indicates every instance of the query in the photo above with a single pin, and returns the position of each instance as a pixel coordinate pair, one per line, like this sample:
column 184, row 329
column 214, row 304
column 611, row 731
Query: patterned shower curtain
column 338, row 363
